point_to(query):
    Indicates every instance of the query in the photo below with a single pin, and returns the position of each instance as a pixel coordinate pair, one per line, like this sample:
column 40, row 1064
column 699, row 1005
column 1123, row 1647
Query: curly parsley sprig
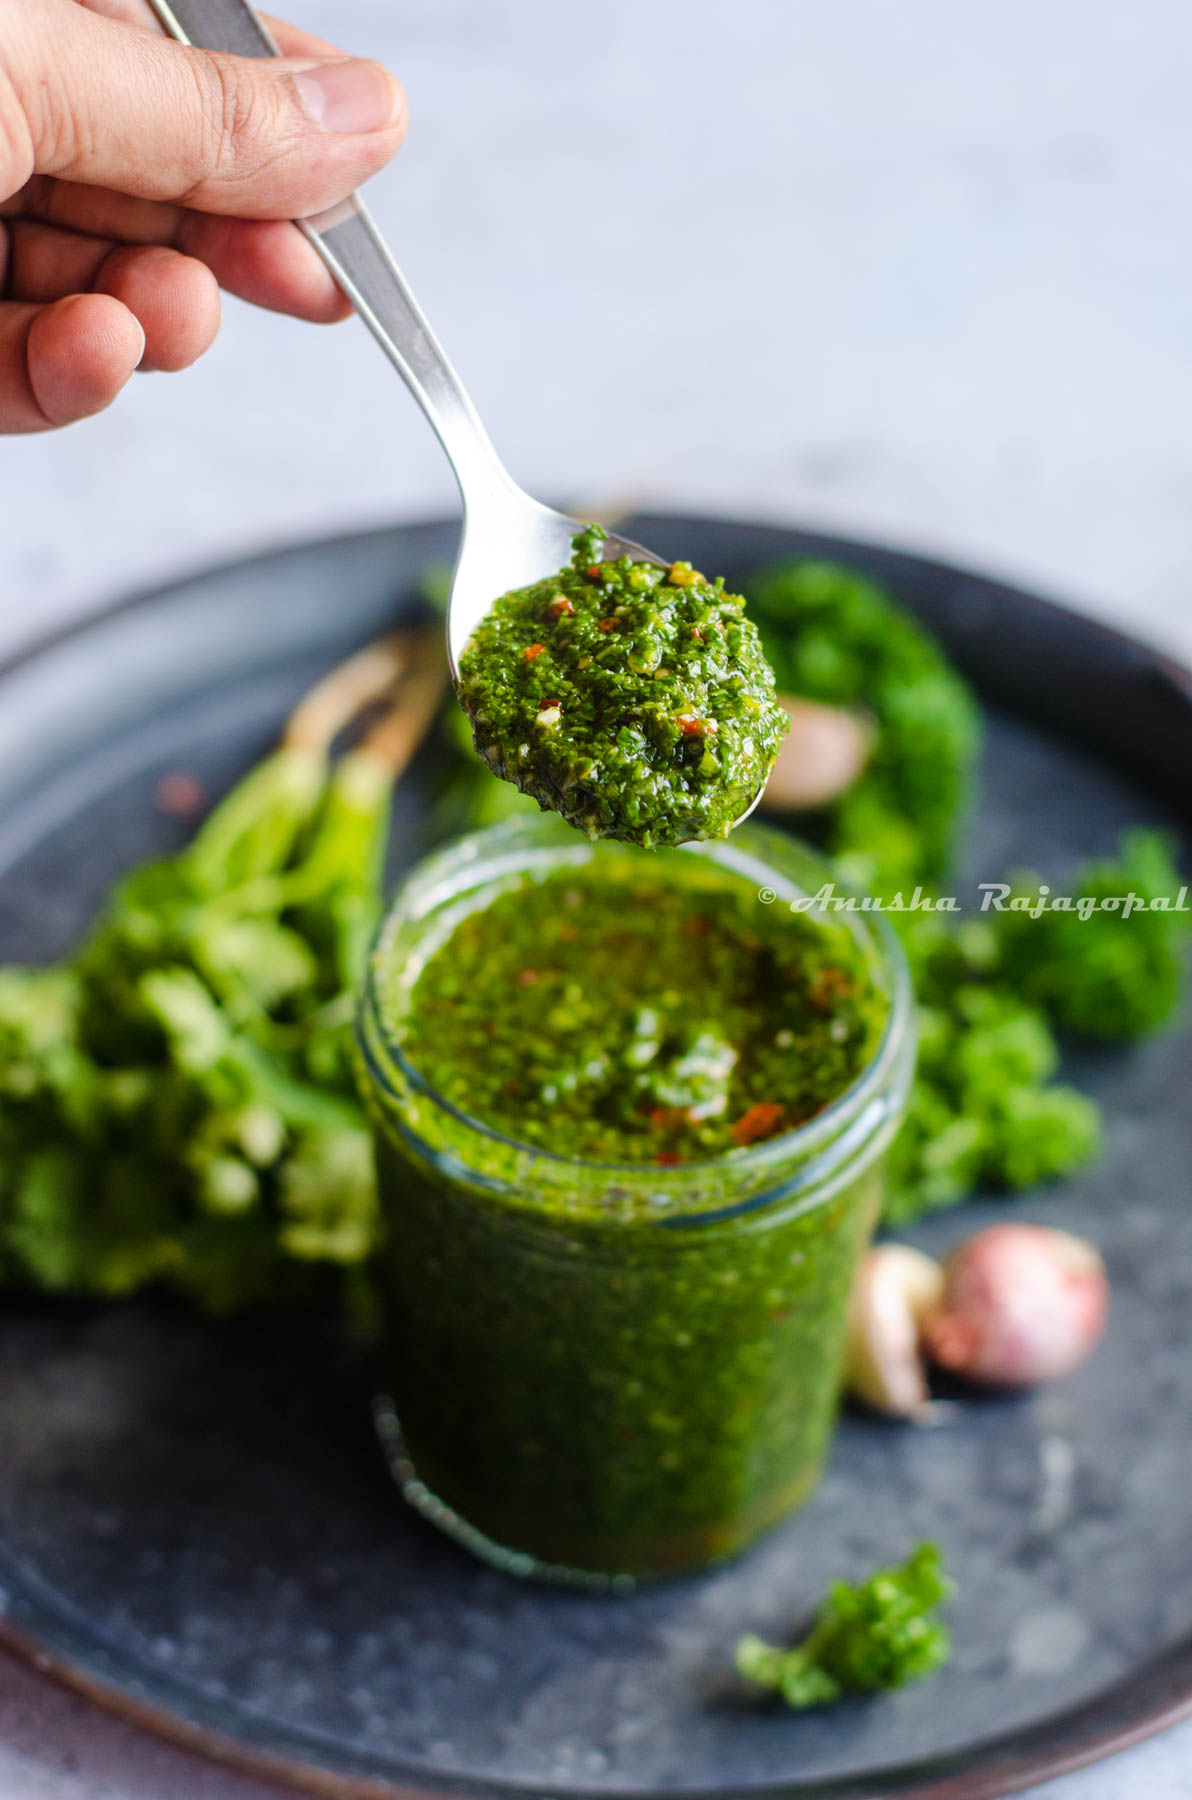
column 880, row 1634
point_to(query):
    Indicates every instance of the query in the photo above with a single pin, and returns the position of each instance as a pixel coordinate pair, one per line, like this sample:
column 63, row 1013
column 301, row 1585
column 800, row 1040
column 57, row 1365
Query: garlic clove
column 895, row 1291
column 1021, row 1305
column 822, row 755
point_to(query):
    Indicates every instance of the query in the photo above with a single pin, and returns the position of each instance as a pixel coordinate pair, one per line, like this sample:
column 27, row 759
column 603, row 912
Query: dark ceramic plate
column 195, row 1525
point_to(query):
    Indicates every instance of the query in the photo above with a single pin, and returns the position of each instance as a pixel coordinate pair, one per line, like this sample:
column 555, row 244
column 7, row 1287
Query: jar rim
column 753, row 851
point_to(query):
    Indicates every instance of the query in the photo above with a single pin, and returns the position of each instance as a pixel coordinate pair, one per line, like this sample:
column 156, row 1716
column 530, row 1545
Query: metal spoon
column 509, row 539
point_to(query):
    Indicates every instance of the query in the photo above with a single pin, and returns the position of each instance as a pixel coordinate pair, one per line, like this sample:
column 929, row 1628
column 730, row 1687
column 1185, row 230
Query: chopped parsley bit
column 878, row 1635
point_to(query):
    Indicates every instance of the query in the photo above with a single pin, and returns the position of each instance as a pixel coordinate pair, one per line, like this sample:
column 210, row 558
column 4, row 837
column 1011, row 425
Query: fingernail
column 349, row 96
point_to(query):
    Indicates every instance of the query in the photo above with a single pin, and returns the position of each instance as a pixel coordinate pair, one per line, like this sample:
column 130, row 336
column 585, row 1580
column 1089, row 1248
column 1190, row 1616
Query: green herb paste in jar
column 630, row 1124
column 623, row 1013
column 632, row 699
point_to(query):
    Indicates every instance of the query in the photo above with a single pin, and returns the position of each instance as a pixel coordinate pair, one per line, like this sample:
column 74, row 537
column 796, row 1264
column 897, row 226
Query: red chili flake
column 560, row 605
column 527, row 978
column 179, row 794
column 606, row 624
column 829, row 985
column 690, row 726
column 531, row 651
column 697, row 633
column 758, row 1121
column 545, row 705
column 668, row 1158
column 594, row 572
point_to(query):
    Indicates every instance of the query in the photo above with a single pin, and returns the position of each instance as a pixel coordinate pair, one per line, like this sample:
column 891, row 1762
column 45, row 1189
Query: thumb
column 111, row 105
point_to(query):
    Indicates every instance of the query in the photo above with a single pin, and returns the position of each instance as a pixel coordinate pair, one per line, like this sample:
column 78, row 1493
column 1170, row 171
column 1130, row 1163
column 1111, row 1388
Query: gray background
column 919, row 272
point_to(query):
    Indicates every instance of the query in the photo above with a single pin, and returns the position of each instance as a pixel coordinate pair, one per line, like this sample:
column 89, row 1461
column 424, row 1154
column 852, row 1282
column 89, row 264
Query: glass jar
column 605, row 1371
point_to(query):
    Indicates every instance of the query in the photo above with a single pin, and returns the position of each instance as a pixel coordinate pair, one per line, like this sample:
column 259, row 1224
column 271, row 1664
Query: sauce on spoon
column 631, row 698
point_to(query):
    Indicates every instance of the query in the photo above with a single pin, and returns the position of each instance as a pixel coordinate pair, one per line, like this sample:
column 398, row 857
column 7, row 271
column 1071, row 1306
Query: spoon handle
column 361, row 264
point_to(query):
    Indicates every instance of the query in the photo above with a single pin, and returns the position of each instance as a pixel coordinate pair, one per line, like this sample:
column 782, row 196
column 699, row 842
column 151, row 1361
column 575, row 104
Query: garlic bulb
column 1021, row 1304
column 822, row 755
column 895, row 1292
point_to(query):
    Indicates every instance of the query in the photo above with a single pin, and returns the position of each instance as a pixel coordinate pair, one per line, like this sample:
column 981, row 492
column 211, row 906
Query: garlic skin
column 822, row 755
column 1021, row 1305
column 895, row 1292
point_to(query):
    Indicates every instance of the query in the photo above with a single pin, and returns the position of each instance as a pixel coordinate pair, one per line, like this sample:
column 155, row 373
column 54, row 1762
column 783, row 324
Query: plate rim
column 986, row 1770
column 1000, row 1771
column 147, row 592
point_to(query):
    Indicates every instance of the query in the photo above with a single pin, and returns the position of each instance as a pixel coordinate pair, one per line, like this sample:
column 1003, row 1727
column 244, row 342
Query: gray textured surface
column 954, row 233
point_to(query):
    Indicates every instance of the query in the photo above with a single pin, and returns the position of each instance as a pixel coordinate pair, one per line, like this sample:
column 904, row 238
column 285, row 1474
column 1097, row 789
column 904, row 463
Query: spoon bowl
column 509, row 545
column 516, row 542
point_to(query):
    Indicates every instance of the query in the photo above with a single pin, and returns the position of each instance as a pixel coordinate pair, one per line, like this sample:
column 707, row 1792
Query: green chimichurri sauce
column 624, row 1043
column 632, row 699
column 621, row 1015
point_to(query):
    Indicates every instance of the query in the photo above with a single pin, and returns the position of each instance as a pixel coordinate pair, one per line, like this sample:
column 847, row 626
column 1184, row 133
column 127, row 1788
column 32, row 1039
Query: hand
column 137, row 177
